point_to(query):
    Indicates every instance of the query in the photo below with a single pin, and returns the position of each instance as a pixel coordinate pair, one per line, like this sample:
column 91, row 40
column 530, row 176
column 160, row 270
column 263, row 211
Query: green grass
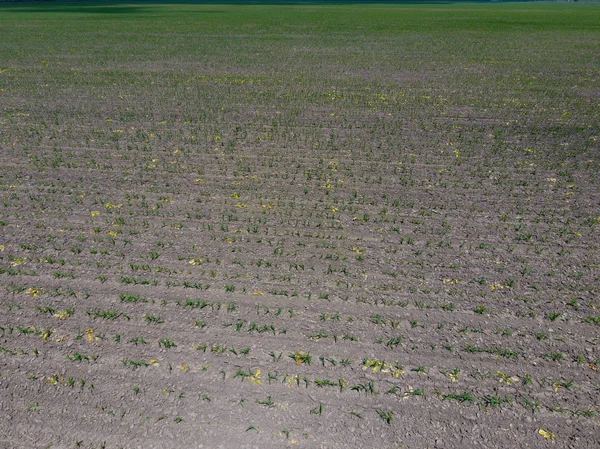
column 483, row 60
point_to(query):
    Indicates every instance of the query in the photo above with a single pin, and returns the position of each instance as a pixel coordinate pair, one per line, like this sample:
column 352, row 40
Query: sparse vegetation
column 343, row 214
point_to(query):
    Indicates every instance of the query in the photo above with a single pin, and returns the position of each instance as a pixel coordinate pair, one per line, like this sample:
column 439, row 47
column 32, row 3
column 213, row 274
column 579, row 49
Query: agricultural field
column 299, row 225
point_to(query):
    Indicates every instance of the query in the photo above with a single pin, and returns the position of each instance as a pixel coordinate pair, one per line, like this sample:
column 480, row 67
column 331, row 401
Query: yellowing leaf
column 32, row 291
column 255, row 379
column 546, row 434
column 95, row 212
column 52, row 379
column 45, row 334
column 450, row 281
column 18, row 261
column 292, row 379
column 62, row 314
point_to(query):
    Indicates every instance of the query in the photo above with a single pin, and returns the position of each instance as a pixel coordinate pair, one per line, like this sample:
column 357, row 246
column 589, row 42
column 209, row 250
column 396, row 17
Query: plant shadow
column 143, row 6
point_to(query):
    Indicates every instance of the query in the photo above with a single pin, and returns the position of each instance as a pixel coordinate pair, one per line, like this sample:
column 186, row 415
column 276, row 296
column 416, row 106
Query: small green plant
column 325, row 382
column 130, row 297
column 530, row 404
column 492, row 400
column 134, row 363
column 540, row 335
column 479, row 309
column 366, row 387
column 503, row 352
column 32, row 407
column 137, row 340
column 267, row 402
column 77, row 357
column 393, row 342
column 460, row 397
column 318, row 335
column 318, row 410
column 166, row 343
column 300, row 357
column 386, row 415
column 109, row 314
column 554, row 356
column 275, row 357
column 155, row 319
column 250, row 374
column 587, row 413
column 592, row 319
column 46, row 309
column 376, row 319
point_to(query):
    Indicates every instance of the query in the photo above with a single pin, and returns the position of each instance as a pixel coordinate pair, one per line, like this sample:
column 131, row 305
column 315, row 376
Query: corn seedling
column 386, row 415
